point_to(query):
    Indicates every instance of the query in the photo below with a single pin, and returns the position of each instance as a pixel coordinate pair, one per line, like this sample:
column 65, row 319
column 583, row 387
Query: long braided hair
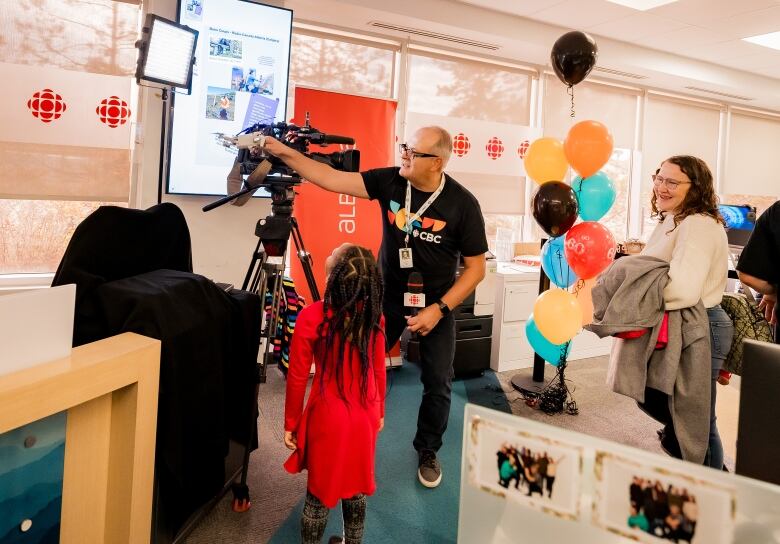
column 352, row 309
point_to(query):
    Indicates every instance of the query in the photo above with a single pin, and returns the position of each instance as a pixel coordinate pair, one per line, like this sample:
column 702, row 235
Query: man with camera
column 429, row 222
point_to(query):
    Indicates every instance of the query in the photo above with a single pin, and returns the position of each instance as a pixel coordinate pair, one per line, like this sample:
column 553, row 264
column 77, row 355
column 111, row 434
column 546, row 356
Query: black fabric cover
column 117, row 258
column 114, row 243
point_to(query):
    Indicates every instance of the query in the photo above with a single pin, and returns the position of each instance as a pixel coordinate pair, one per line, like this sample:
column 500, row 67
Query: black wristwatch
column 443, row 308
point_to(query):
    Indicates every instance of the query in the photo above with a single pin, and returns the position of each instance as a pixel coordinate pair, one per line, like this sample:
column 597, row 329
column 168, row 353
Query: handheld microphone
column 414, row 298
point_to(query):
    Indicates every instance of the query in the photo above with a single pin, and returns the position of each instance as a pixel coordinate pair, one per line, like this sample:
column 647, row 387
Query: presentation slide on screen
column 240, row 79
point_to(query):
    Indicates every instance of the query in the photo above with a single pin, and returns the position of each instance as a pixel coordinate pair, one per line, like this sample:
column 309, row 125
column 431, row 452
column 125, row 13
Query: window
column 486, row 95
column 615, row 107
column 675, row 127
column 337, row 65
column 48, row 188
column 34, row 233
column 468, row 89
column 752, row 161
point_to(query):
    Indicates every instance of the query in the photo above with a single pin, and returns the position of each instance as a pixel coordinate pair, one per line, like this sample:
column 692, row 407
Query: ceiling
column 690, row 47
column 708, row 30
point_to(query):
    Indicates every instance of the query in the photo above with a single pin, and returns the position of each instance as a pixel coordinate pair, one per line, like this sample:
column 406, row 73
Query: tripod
column 266, row 269
column 265, row 276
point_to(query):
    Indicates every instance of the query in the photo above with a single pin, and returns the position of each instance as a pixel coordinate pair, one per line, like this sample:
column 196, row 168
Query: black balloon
column 573, row 57
column 555, row 207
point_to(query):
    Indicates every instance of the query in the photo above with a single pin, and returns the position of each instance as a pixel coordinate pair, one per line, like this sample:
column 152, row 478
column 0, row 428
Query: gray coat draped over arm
column 629, row 297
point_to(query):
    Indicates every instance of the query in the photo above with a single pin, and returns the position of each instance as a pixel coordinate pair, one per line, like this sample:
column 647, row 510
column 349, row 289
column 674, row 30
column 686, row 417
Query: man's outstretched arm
column 320, row 174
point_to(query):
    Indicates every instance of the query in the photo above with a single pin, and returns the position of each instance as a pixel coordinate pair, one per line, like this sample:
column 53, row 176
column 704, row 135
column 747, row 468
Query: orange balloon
column 588, row 147
column 558, row 315
column 585, row 298
column 545, row 160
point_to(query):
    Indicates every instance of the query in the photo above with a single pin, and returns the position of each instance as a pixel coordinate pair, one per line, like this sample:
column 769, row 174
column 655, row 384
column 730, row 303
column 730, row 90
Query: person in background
column 759, row 263
column 430, row 222
column 552, row 469
column 637, row 519
column 691, row 237
column 334, row 437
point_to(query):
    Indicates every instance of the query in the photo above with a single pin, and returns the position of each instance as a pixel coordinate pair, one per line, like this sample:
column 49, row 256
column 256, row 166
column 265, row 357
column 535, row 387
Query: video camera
column 251, row 140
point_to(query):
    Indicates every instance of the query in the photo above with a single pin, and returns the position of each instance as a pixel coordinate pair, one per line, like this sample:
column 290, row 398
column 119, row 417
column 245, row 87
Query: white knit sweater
column 698, row 255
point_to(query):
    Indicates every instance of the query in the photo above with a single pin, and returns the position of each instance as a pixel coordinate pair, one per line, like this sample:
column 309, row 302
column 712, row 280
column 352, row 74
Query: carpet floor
column 402, row 510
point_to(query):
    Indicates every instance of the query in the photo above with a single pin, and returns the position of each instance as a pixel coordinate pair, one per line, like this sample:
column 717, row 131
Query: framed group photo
column 655, row 505
column 530, row 469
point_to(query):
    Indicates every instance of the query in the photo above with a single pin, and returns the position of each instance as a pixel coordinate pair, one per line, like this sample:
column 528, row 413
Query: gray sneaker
column 428, row 469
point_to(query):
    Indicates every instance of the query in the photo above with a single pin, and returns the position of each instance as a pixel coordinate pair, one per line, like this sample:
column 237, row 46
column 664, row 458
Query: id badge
column 405, row 257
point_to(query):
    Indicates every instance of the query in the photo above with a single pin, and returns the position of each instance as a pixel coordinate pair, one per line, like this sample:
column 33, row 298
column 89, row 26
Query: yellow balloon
column 545, row 160
column 558, row 315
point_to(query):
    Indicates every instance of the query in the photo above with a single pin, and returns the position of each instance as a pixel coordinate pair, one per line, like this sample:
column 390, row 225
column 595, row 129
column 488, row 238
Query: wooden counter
column 109, row 389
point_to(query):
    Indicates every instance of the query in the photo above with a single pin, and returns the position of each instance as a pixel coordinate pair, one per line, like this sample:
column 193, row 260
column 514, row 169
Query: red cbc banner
column 328, row 219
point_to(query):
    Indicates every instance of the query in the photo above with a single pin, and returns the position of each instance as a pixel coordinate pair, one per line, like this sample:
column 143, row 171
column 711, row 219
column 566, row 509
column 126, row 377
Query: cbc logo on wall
column 494, row 148
column 461, row 145
column 47, row 106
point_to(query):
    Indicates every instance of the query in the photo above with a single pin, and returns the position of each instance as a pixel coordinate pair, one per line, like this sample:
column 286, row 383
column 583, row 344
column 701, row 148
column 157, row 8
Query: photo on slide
column 220, row 104
column 654, row 505
column 237, row 78
column 193, row 10
column 253, row 82
column 533, row 470
column 224, row 48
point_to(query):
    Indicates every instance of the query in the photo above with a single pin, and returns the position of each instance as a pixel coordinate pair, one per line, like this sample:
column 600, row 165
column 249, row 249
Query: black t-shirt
column 761, row 255
column 452, row 226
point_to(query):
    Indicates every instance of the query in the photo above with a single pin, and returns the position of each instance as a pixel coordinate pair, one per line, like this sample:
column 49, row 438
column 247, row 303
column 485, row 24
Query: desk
column 517, row 288
column 109, row 389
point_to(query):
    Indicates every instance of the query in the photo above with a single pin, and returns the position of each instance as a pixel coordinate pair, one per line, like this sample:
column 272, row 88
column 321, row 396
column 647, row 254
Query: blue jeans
column 721, row 335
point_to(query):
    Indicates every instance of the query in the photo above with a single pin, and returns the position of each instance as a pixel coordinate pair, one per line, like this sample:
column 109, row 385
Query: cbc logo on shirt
column 427, row 236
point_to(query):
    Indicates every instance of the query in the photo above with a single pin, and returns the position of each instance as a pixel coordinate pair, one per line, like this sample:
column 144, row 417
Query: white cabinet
column 516, row 290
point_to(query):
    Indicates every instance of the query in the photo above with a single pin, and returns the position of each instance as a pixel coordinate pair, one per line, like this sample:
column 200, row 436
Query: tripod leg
column 305, row 258
column 253, row 268
column 241, row 499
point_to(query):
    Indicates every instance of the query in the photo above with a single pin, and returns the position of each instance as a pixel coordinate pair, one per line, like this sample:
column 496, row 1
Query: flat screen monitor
column 758, row 441
column 740, row 222
column 240, row 79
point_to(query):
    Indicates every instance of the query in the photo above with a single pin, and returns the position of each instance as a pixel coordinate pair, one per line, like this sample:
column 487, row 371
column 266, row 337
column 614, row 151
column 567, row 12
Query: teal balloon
column 547, row 350
column 595, row 195
column 555, row 265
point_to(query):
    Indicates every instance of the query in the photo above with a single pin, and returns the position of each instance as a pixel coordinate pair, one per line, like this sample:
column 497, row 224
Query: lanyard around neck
column 412, row 217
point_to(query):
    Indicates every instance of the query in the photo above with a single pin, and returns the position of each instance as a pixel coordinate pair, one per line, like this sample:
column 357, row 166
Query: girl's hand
column 381, row 424
column 290, row 440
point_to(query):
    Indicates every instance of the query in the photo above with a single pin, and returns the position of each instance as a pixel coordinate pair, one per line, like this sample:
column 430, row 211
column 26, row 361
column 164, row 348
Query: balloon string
column 563, row 355
column 560, row 264
column 570, row 92
column 578, row 287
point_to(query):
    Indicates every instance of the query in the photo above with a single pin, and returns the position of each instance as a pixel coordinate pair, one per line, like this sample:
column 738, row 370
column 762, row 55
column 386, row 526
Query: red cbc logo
column 523, row 149
column 414, row 300
column 494, row 148
column 461, row 145
column 46, row 105
column 113, row 111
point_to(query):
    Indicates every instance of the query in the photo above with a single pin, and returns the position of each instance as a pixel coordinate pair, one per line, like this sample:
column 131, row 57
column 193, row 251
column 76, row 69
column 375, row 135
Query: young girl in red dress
column 334, row 437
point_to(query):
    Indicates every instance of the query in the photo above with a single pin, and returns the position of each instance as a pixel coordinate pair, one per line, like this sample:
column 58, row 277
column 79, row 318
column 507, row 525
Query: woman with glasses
column 691, row 237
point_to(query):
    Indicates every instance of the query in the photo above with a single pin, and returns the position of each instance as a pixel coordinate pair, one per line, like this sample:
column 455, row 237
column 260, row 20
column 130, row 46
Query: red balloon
column 590, row 249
